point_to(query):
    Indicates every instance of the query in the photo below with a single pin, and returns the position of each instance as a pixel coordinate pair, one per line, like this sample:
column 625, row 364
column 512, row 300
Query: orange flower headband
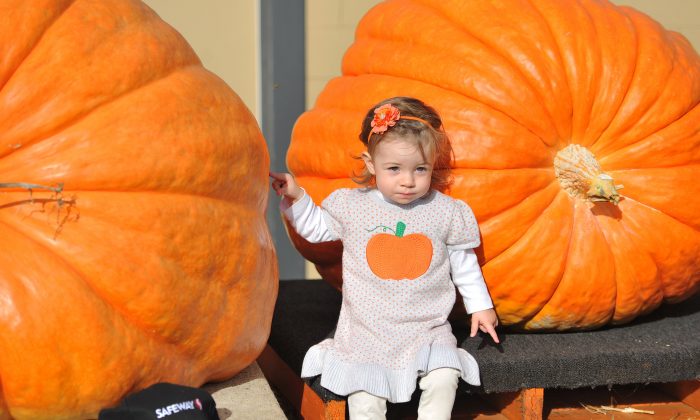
column 386, row 116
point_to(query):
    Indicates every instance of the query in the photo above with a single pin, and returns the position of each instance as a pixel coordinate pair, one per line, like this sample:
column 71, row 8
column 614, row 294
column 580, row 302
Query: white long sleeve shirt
column 307, row 219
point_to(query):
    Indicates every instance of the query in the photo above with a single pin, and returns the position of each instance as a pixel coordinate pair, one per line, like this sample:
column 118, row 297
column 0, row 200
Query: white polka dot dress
column 397, row 293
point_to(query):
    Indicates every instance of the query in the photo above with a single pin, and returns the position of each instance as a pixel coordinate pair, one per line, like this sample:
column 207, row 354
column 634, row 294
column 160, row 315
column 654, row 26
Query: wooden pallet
column 676, row 401
column 305, row 400
column 662, row 348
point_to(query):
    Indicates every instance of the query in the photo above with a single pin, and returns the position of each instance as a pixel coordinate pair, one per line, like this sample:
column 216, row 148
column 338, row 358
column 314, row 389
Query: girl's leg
column 365, row 406
column 439, row 388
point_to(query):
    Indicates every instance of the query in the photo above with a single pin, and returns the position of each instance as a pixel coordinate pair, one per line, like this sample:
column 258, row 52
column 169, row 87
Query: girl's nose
column 407, row 180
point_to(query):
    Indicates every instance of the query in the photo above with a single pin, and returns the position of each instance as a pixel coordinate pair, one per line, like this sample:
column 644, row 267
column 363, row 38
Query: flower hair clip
column 386, row 116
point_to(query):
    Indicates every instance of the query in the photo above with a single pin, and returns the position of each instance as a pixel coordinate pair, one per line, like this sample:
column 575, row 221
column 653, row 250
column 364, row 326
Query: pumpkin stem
column 57, row 189
column 580, row 175
column 400, row 228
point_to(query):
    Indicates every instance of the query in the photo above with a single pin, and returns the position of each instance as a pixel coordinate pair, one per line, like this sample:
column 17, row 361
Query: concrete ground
column 247, row 396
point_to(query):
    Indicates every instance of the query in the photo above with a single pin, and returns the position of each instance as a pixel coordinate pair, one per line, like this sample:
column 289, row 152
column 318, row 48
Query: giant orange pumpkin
column 133, row 190
column 551, row 106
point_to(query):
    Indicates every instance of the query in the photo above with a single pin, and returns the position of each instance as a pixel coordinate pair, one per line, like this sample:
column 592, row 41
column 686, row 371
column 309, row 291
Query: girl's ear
column 368, row 162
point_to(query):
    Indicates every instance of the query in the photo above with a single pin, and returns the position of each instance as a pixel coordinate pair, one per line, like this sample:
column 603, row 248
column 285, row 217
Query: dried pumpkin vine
column 66, row 208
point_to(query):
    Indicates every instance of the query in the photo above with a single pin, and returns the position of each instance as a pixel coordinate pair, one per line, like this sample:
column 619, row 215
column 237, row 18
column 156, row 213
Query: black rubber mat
column 661, row 347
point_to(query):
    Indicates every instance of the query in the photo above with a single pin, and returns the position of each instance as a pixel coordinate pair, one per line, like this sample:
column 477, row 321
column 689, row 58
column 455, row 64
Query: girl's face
column 402, row 174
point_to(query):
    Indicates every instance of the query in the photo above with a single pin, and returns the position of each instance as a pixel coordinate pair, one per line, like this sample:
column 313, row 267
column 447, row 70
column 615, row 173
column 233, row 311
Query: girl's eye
column 393, row 168
column 421, row 169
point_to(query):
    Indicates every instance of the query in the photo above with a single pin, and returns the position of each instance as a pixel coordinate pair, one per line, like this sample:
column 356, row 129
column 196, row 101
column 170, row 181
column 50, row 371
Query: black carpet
column 661, row 347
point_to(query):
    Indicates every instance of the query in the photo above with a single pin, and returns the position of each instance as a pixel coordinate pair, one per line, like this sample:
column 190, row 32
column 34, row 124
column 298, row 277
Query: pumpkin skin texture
column 154, row 262
column 551, row 107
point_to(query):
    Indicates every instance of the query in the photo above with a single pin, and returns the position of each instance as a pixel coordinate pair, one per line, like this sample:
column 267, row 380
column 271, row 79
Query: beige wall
column 330, row 26
column 224, row 33
column 330, row 29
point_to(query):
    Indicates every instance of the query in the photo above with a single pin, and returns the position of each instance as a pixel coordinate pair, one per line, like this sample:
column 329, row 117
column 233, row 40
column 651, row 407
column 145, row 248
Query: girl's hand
column 284, row 184
column 486, row 321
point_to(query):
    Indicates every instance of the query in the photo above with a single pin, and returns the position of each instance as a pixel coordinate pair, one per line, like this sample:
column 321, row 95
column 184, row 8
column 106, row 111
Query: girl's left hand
column 486, row 321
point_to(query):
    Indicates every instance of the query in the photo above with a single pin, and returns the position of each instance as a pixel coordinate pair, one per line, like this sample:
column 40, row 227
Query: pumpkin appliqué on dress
column 399, row 257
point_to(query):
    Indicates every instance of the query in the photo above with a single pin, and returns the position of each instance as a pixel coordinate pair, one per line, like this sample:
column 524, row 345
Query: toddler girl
column 406, row 245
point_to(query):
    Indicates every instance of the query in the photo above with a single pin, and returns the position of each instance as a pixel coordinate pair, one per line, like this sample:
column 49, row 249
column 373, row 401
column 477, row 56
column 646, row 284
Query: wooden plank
column 281, row 376
column 313, row 407
column 296, row 391
column 688, row 392
column 526, row 404
column 631, row 402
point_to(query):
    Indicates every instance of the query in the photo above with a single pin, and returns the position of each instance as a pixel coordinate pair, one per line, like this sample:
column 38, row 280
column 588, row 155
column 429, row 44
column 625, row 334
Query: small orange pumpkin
column 399, row 257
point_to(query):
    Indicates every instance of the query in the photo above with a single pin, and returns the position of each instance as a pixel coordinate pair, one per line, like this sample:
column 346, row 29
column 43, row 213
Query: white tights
column 439, row 388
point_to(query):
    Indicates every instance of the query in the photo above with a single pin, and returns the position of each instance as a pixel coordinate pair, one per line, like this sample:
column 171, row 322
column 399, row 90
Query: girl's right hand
column 284, row 184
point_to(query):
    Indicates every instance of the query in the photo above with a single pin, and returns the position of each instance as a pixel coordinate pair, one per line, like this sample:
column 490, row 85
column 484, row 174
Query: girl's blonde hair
column 430, row 138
